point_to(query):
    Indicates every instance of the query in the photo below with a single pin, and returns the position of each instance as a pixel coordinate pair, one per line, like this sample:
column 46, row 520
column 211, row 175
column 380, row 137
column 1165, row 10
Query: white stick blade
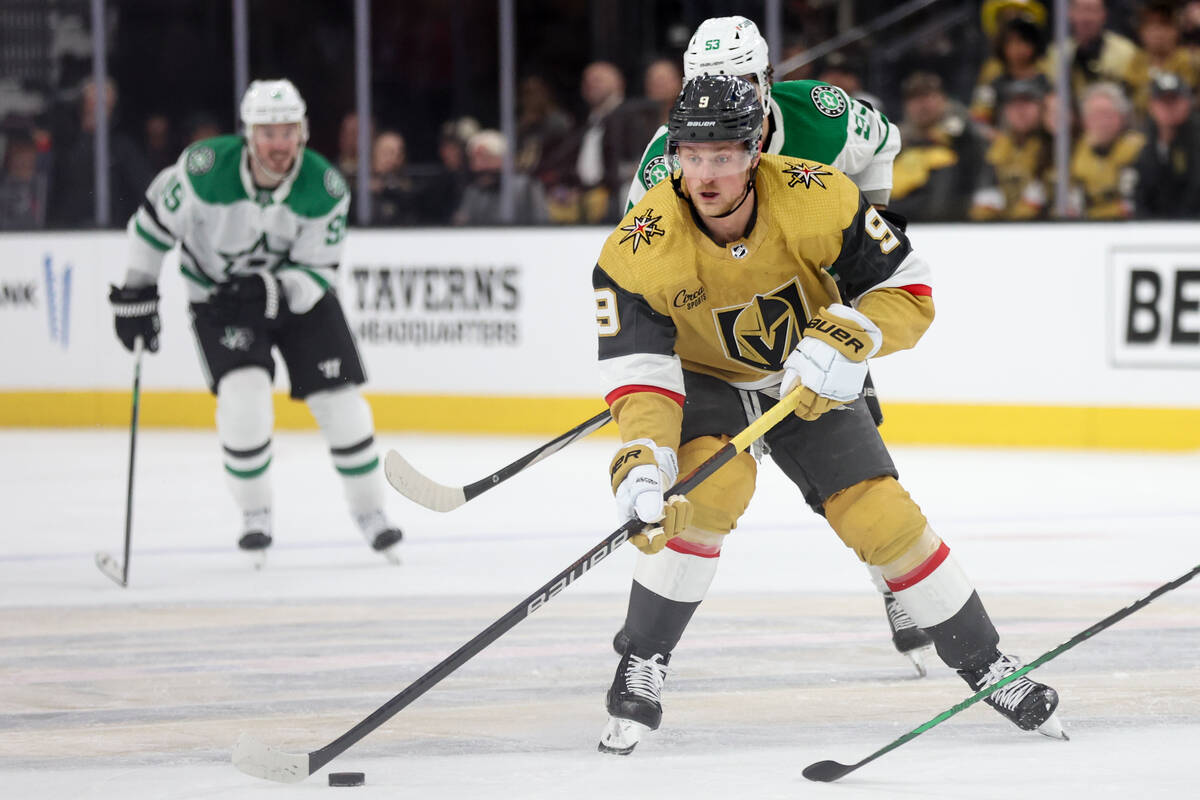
column 405, row 479
column 109, row 566
column 263, row 761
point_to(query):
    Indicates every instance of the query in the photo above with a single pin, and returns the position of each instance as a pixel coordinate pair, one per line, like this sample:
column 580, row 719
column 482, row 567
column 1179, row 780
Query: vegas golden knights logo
column 764, row 331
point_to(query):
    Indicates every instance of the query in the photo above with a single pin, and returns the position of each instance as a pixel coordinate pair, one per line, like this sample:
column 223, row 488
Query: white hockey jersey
column 207, row 204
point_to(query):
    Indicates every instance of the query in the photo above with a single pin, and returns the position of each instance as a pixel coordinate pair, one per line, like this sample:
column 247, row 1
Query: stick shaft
column 138, row 349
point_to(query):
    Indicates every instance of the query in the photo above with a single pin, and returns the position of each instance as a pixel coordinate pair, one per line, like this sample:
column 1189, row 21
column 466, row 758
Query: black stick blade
column 827, row 771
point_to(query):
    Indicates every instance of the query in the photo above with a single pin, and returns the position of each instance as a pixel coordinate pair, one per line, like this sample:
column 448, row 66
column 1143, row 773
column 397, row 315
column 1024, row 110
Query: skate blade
column 917, row 657
column 392, row 556
column 621, row 736
column 1053, row 729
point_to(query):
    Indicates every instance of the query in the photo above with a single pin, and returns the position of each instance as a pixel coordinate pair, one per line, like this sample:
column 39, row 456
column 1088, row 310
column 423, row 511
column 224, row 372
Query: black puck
column 347, row 779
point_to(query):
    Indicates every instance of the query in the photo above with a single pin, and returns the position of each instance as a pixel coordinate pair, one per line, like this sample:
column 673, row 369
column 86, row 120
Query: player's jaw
column 277, row 146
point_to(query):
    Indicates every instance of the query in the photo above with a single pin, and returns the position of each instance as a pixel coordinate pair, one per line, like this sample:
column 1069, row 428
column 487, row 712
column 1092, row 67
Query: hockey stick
column 107, row 564
column 263, row 761
column 827, row 771
column 405, row 478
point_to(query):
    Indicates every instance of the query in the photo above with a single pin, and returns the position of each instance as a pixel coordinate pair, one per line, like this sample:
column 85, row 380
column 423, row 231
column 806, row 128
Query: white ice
column 140, row 692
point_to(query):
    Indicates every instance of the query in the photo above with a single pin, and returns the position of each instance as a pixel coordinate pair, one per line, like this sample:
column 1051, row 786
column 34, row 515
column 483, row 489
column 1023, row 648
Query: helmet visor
column 710, row 160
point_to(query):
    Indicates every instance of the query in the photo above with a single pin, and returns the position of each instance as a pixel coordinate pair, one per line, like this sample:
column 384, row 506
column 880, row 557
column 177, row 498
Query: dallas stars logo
column 642, row 229
column 808, row 174
column 256, row 256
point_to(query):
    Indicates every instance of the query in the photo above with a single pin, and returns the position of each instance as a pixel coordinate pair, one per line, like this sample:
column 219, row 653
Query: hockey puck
column 346, row 778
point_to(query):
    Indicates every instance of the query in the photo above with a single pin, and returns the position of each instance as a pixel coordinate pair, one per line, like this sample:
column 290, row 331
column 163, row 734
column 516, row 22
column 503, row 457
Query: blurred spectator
column 1019, row 55
column 159, row 147
column 22, row 184
column 347, row 152
column 1189, row 25
column 395, row 196
column 1158, row 33
column 1018, row 158
column 1168, row 169
column 443, row 192
column 663, row 82
column 482, row 202
column 636, row 120
column 793, row 48
column 1103, row 171
column 846, row 73
column 937, row 171
column 200, row 126
column 72, row 194
column 1095, row 54
column 541, row 123
column 582, row 174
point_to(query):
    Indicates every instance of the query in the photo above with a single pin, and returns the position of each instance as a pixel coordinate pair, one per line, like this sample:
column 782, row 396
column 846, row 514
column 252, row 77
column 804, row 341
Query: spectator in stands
column 1019, row 55
column 347, row 152
column 1018, row 159
column 1168, row 168
column 582, row 174
column 1189, row 25
column 201, row 126
column 663, row 81
column 791, row 49
column 635, row 121
column 1103, row 165
column 846, row 73
column 939, row 168
column 159, row 146
column 483, row 203
column 72, row 194
column 1095, row 54
column 443, row 193
column 541, row 123
column 395, row 195
column 1158, row 33
column 22, row 184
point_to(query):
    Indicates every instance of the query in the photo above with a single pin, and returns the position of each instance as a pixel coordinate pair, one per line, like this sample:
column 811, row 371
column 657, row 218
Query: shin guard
column 667, row 589
column 345, row 421
column 245, row 417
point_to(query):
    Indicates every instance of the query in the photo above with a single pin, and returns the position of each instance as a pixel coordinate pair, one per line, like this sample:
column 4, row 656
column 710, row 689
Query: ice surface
column 141, row 692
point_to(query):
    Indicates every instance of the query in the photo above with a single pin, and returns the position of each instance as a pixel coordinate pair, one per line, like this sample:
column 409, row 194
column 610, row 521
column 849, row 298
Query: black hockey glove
column 254, row 300
column 135, row 312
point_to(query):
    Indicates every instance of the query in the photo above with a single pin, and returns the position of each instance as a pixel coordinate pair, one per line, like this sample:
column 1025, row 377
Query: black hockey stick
column 107, row 564
column 263, row 761
column 827, row 771
column 405, row 478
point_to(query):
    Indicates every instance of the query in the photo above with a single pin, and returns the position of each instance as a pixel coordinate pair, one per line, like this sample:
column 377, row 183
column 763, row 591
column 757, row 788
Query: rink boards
column 1047, row 335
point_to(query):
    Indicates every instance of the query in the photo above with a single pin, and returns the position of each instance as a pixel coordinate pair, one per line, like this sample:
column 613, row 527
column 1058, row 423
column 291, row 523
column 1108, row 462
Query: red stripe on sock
column 693, row 549
column 633, row 388
column 922, row 571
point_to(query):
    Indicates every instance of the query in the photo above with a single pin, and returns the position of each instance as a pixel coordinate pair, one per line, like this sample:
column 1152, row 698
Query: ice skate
column 620, row 641
column 908, row 639
column 634, row 701
column 1026, row 703
column 380, row 533
column 256, row 535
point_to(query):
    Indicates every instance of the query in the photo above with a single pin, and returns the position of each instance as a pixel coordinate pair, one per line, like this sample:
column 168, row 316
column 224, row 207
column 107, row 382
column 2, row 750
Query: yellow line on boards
column 904, row 423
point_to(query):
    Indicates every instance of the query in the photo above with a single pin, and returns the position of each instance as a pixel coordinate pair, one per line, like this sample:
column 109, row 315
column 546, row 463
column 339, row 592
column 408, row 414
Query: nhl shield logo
column 739, row 251
column 761, row 333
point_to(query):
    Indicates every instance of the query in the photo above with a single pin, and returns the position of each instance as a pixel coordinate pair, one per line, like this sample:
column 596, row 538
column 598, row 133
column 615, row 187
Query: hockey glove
column 639, row 472
column 253, row 300
column 135, row 313
column 830, row 363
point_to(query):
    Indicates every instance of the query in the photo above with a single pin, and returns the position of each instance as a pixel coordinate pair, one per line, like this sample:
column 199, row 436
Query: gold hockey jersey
column 669, row 298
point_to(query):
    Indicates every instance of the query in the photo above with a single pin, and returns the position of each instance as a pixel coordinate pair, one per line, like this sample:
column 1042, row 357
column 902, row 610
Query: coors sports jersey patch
column 642, row 229
column 762, row 332
column 828, row 100
column 808, row 174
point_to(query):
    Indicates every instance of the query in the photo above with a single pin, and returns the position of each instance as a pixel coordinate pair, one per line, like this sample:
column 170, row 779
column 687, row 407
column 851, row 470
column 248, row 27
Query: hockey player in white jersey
column 260, row 223
column 805, row 120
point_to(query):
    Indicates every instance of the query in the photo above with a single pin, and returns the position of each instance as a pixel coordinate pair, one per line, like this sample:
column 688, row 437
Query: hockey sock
column 345, row 421
column 245, row 418
column 667, row 589
column 940, row 598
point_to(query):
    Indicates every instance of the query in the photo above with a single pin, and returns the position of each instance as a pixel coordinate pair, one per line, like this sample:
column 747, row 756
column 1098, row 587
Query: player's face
column 715, row 174
column 277, row 145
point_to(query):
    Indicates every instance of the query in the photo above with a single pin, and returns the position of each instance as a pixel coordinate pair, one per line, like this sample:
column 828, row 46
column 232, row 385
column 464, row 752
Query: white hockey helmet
column 273, row 102
column 729, row 46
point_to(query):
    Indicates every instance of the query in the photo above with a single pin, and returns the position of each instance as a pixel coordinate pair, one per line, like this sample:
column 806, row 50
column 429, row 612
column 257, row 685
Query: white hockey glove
column 830, row 363
column 640, row 470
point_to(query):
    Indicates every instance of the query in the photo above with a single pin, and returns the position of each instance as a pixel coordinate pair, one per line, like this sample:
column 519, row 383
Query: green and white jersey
column 207, row 204
column 808, row 120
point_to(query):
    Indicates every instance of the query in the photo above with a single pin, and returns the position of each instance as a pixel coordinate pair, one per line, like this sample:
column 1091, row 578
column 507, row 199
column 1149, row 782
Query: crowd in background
column 983, row 154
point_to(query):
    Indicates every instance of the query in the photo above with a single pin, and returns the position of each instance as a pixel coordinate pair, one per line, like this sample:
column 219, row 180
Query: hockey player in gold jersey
column 745, row 276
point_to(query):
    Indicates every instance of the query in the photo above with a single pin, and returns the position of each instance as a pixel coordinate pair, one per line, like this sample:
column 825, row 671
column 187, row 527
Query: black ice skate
column 256, row 535
column 380, row 533
column 1028, row 704
column 908, row 639
column 634, row 701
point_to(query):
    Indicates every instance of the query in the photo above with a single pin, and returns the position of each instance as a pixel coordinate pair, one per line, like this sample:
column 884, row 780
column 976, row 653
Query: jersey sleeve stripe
column 161, row 247
column 662, row 372
column 918, row 289
column 618, row 393
column 912, row 271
